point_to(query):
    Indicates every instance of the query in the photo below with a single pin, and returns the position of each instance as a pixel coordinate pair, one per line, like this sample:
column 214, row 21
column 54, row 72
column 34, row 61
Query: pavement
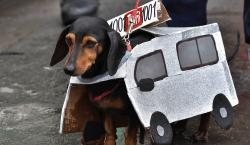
column 32, row 94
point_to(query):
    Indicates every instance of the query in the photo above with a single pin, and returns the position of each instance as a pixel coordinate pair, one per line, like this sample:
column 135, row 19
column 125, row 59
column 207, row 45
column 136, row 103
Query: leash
column 130, row 26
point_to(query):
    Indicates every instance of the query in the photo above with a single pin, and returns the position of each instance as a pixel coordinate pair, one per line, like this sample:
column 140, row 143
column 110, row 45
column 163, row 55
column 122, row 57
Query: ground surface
column 31, row 93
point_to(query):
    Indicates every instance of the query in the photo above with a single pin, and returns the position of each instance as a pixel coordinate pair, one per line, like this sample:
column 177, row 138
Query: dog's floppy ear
column 116, row 52
column 61, row 49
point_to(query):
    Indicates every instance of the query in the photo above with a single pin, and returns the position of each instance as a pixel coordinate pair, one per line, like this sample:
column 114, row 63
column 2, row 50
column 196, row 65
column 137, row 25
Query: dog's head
column 91, row 47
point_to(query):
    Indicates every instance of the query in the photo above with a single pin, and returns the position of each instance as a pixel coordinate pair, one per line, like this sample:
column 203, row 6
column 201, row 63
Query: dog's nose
column 69, row 69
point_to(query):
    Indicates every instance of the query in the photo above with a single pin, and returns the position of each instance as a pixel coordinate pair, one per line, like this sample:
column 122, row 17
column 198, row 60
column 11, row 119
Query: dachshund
column 91, row 48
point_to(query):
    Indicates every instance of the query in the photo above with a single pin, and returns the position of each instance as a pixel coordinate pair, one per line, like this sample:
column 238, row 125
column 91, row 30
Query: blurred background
column 32, row 94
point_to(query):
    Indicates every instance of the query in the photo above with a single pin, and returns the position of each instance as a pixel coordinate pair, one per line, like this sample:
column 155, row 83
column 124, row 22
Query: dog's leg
column 131, row 132
column 96, row 142
column 202, row 133
column 110, row 130
column 180, row 126
column 91, row 137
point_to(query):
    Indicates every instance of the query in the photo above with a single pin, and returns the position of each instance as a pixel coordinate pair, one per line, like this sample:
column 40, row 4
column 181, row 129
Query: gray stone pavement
column 31, row 93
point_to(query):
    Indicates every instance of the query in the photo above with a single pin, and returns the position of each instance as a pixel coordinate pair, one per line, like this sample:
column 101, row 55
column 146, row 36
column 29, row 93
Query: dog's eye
column 90, row 44
column 69, row 42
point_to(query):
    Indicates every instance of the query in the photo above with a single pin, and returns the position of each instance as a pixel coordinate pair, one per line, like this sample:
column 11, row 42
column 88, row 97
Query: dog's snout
column 69, row 69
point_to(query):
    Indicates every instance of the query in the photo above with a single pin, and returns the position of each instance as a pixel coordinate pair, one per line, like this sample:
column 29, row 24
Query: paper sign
column 145, row 15
column 163, row 16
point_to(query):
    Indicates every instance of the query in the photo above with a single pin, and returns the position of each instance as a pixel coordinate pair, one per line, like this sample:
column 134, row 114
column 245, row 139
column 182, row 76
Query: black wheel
column 222, row 112
column 160, row 129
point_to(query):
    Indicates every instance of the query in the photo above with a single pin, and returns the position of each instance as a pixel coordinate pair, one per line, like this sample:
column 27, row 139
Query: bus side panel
column 232, row 97
column 181, row 96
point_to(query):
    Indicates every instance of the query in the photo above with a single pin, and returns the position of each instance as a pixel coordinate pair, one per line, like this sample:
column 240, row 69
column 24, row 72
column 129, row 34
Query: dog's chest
column 108, row 95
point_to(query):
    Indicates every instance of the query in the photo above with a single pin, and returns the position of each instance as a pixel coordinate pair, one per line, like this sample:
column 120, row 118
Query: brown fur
column 110, row 130
column 117, row 103
column 70, row 40
column 85, row 60
column 79, row 102
column 87, row 56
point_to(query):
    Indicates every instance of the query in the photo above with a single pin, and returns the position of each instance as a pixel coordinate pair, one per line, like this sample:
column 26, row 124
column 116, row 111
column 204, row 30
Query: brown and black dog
column 93, row 48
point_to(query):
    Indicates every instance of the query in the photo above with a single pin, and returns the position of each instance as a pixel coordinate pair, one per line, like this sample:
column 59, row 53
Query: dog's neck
column 101, row 90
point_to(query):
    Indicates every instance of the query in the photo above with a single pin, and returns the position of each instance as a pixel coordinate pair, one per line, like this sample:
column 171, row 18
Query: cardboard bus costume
column 77, row 109
column 186, row 73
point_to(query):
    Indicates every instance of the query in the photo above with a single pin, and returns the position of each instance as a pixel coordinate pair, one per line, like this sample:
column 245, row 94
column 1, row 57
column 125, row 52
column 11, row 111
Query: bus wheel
column 222, row 112
column 160, row 129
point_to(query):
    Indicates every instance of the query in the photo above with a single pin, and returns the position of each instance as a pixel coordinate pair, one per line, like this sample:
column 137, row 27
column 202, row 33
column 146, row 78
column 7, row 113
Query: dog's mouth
column 91, row 71
column 74, row 70
column 87, row 67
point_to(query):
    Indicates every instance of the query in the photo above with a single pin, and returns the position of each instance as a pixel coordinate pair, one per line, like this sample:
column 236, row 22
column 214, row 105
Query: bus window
column 188, row 54
column 151, row 66
column 197, row 52
column 207, row 50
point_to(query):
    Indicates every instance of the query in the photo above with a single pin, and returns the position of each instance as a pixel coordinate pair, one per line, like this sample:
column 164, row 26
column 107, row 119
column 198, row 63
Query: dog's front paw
column 109, row 141
column 200, row 136
column 130, row 141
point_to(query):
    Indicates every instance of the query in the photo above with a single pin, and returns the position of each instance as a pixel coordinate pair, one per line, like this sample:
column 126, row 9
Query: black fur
column 61, row 49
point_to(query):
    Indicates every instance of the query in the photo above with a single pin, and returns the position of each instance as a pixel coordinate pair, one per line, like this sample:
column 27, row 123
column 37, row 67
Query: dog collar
column 98, row 98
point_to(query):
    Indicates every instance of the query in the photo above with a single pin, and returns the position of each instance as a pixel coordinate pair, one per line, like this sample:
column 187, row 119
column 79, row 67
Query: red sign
column 137, row 17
